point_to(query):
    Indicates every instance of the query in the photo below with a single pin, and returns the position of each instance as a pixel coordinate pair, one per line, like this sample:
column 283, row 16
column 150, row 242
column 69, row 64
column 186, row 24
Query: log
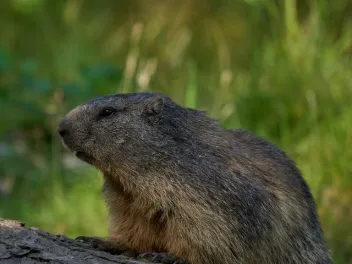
column 19, row 244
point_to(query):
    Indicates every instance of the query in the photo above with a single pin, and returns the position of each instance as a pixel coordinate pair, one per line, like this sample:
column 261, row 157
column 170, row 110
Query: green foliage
column 281, row 69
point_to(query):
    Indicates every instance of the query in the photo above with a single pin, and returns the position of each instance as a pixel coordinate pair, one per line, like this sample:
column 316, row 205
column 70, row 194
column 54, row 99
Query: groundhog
column 177, row 183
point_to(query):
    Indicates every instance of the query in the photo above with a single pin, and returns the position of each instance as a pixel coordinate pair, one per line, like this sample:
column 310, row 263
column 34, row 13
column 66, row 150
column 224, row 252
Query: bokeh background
column 280, row 68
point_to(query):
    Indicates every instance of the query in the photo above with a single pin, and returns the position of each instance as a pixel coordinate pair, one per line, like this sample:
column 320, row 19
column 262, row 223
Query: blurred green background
column 281, row 69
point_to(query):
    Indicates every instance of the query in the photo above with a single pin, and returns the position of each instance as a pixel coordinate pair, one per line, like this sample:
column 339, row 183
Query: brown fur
column 134, row 220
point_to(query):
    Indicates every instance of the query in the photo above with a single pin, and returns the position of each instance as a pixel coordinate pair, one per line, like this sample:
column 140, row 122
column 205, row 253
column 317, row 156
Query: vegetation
column 281, row 69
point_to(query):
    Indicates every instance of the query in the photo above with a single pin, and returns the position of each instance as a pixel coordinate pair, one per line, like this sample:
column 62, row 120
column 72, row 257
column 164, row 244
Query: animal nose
column 63, row 130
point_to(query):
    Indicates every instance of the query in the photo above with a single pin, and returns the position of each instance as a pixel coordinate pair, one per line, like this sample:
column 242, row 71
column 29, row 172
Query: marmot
column 177, row 182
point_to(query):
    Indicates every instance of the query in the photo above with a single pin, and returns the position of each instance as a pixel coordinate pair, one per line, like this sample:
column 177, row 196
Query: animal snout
column 63, row 128
column 62, row 132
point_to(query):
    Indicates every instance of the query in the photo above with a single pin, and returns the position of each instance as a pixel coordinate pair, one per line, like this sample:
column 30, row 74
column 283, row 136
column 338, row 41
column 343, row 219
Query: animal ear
column 154, row 106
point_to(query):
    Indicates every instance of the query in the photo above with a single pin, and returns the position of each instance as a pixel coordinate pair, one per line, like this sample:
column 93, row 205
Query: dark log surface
column 19, row 244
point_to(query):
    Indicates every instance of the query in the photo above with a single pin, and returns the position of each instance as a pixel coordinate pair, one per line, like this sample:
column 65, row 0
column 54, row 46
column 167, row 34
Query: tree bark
column 19, row 244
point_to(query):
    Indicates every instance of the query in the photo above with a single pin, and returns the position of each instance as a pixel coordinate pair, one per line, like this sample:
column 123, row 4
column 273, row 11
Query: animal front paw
column 164, row 258
column 106, row 245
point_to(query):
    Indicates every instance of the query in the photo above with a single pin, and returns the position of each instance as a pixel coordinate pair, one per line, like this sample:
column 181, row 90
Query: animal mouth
column 84, row 156
column 78, row 153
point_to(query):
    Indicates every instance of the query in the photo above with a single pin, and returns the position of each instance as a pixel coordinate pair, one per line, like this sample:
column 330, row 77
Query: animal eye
column 106, row 112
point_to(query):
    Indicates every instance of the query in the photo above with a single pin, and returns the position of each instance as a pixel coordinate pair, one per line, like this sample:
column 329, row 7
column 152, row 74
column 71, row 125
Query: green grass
column 281, row 71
